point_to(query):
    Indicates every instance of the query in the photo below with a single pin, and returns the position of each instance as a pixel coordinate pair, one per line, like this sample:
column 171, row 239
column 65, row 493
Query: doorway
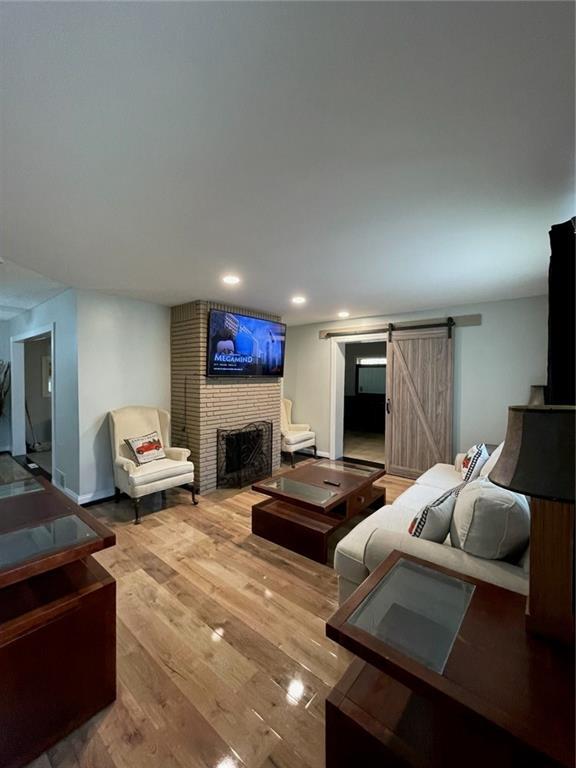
column 33, row 398
column 365, row 401
column 358, row 397
column 38, row 401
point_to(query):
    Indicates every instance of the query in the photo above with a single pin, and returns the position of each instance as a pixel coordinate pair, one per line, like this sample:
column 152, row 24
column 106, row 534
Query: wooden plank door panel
column 419, row 387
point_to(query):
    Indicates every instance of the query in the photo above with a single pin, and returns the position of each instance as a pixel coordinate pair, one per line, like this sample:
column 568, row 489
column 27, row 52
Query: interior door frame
column 18, row 389
column 337, row 376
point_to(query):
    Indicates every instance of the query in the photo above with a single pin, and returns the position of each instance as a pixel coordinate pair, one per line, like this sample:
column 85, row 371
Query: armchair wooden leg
column 136, row 505
column 315, row 452
column 194, row 500
column 116, row 495
column 163, row 497
column 292, row 459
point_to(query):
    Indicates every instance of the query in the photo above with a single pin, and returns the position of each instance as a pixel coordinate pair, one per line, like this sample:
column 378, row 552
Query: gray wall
column 123, row 359
column 494, row 365
column 370, row 349
column 39, row 407
column 61, row 311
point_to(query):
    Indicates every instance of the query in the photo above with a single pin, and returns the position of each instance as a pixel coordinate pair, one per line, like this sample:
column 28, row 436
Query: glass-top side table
column 20, row 487
column 32, row 542
column 417, row 611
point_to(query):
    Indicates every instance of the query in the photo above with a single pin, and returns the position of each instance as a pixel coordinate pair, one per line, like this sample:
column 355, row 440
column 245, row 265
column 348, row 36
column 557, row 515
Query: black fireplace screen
column 244, row 455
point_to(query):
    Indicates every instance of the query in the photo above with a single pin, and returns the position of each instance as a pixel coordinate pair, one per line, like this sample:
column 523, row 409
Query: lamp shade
column 538, row 454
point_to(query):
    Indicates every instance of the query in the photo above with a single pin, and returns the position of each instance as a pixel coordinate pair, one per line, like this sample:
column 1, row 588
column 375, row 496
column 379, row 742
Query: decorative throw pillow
column 473, row 462
column 489, row 521
column 492, row 461
column 146, row 448
column 433, row 522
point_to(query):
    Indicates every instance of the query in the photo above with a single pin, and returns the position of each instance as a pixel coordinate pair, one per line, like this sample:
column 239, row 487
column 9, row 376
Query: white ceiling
column 22, row 289
column 379, row 157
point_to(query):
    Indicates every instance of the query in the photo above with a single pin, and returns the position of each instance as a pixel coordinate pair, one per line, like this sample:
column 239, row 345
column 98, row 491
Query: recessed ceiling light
column 231, row 279
column 343, row 314
column 298, row 300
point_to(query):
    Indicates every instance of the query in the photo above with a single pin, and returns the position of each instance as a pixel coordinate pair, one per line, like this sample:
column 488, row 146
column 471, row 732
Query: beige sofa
column 372, row 540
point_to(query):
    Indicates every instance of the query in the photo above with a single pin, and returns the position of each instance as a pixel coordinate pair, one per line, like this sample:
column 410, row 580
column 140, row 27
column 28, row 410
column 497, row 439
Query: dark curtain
column 561, row 316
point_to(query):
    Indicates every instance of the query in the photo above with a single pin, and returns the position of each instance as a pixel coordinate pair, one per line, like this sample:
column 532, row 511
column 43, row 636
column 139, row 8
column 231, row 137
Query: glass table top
column 416, row 610
column 312, row 493
column 19, row 487
column 26, row 543
column 347, row 466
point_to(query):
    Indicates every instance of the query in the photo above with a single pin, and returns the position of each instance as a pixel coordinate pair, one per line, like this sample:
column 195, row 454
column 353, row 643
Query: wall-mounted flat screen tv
column 239, row 345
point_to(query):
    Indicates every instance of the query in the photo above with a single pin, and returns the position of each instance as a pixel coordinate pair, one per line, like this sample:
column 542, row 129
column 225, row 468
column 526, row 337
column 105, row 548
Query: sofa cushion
column 159, row 470
column 433, row 522
column 490, row 522
column 442, row 476
column 349, row 554
column 473, row 462
column 293, row 438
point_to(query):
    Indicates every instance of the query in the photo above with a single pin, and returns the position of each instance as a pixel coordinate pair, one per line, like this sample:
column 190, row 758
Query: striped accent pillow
column 433, row 522
column 473, row 462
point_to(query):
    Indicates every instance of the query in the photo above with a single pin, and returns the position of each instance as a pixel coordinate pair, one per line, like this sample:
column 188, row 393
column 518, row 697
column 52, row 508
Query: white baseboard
column 86, row 498
column 323, row 454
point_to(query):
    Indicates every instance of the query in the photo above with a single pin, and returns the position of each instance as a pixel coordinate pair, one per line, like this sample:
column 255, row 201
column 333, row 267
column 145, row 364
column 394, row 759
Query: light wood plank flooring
column 222, row 656
column 364, row 445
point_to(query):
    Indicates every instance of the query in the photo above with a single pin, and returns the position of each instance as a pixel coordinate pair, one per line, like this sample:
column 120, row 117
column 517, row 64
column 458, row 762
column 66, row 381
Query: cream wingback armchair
column 140, row 480
column 294, row 436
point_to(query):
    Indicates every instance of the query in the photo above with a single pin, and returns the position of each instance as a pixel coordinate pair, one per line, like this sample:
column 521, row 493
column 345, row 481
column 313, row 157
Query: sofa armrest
column 458, row 461
column 126, row 464
column 177, row 454
column 382, row 543
column 299, row 428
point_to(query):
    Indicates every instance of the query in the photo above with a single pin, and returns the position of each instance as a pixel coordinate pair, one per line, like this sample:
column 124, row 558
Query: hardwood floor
column 222, row 656
column 364, row 445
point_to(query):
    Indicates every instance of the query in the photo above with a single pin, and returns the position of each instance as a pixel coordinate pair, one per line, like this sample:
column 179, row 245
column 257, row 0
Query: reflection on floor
column 43, row 459
column 364, row 445
column 10, row 470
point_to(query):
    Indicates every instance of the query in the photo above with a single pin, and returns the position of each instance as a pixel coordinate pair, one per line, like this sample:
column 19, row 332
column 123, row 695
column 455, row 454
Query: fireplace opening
column 244, row 455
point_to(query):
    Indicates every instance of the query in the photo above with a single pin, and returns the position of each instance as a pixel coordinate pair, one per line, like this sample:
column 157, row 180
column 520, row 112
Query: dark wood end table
column 57, row 619
column 447, row 675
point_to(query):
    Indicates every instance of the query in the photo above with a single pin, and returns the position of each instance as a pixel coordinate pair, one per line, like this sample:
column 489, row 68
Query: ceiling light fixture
column 231, row 279
column 343, row 314
column 298, row 300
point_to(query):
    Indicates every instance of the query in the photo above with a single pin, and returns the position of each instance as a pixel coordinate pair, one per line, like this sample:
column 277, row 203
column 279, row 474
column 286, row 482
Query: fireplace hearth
column 244, row 454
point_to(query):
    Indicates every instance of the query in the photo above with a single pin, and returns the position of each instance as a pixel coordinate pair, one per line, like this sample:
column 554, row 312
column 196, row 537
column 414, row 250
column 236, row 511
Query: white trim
column 337, row 373
column 17, row 387
column 85, row 498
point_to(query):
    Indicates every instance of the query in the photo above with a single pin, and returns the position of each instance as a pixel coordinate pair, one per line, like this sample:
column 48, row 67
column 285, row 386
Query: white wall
column 494, row 365
column 60, row 311
column 5, row 438
column 123, row 359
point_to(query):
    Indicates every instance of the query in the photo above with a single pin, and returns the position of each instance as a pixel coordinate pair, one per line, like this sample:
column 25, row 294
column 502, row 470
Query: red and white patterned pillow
column 146, row 448
column 473, row 462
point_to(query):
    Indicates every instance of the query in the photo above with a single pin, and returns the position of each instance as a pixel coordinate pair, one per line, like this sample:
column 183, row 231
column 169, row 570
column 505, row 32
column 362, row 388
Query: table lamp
column 538, row 461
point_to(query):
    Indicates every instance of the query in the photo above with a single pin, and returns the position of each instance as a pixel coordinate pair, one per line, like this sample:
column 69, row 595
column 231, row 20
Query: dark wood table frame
column 497, row 672
column 57, row 631
column 305, row 526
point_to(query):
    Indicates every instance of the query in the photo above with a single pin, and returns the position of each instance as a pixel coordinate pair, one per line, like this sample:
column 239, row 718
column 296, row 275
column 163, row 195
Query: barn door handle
column 388, row 405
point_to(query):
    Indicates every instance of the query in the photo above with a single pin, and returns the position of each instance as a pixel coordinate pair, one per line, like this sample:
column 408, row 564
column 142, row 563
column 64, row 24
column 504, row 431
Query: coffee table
column 308, row 503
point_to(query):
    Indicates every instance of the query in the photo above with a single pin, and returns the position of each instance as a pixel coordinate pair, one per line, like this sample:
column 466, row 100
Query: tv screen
column 244, row 346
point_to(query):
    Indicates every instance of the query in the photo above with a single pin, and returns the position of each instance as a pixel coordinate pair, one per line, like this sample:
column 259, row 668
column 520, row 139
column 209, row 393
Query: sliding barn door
column 419, row 400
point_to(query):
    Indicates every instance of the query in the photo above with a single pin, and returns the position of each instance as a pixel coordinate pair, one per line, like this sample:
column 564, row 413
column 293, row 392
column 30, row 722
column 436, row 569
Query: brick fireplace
column 201, row 405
